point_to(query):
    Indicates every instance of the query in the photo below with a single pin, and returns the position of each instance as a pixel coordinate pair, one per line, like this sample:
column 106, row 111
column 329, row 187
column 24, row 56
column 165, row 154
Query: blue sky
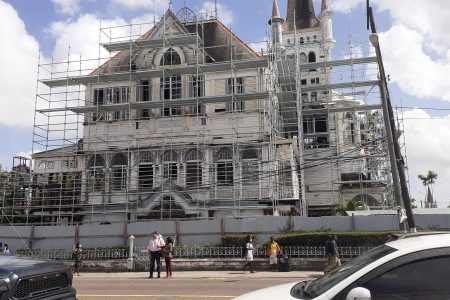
column 413, row 37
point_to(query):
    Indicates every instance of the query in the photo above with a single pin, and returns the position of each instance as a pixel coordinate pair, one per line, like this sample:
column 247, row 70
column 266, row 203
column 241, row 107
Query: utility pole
column 397, row 160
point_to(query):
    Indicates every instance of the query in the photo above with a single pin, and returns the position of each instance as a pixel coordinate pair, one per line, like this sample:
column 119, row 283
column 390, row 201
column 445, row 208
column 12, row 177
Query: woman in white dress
column 249, row 254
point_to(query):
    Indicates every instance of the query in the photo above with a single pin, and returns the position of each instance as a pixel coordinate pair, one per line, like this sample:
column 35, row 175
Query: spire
column 300, row 15
column 325, row 5
column 275, row 10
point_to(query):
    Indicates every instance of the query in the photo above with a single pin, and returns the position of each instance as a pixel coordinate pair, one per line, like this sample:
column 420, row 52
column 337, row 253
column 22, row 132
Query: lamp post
column 397, row 162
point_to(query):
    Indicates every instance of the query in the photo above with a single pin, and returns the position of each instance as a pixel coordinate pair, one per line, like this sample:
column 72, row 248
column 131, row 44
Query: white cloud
column 224, row 13
column 67, row 7
column 415, row 71
column 427, row 150
column 345, row 6
column 154, row 5
column 18, row 61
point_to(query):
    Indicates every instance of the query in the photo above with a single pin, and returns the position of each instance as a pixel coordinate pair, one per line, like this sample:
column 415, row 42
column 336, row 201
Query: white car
column 413, row 267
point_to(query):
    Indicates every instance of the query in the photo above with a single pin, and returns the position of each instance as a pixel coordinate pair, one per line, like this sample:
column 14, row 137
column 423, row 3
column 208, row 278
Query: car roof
column 421, row 241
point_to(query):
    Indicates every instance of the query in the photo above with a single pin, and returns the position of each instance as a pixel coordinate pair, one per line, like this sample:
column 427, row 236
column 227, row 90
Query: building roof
column 416, row 211
column 300, row 15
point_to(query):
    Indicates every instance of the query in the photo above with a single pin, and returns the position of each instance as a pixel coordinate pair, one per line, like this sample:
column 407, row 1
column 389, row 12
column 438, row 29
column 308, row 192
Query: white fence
column 197, row 232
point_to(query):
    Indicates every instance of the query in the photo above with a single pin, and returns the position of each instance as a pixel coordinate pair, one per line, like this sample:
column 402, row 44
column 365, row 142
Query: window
column 350, row 132
column 302, row 58
column 235, row 106
column 197, row 86
column 419, row 280
column 98, row 100
column 171, row 90
column 193, row 169
column 303, row 82
column 316, row 125
column 117, row 95
column 225, row 168
column 250, row 167
column 146, row 171
column 170, row 58
column 308, row 39
column 285, row 174
column 315, row 81
column 171, row 87
column 313, row 96
column 119, row 166
column 311, row 57
column 170, row 162
column 235, row 85
column 96, row 174
column 314, row 37
column 302, row 40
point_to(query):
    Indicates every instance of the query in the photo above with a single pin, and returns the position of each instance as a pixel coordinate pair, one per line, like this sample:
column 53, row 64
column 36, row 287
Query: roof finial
column 325, row 5
column 215, row 8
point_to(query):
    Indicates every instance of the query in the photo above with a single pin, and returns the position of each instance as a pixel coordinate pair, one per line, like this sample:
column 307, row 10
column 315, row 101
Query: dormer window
column 170, row 58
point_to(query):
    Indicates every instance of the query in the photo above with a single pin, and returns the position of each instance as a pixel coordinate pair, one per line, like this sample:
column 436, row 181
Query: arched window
column 119, row 165
column 302, row 58
column 194, row 168
column 350, row 129
column 225, row 168
column 146, row 173
column 170, row 162
column 96, row 174
column 170, row 58
column 250, row 167
column 311, row 57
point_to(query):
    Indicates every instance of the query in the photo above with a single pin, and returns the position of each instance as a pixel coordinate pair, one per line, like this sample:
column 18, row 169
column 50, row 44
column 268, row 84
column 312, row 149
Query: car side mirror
column 359, row 293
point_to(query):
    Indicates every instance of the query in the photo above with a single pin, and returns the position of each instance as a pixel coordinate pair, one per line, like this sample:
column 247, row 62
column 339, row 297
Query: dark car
column 30, row 279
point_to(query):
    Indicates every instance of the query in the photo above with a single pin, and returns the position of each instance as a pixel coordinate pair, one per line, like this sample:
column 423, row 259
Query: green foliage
column 344, row 239
column 340, row 209
column 235, row 240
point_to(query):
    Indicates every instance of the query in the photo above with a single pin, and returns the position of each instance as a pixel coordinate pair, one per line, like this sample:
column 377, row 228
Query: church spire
column 300, row 15
column 275, row 10
column 276, row 22
column 325, row 5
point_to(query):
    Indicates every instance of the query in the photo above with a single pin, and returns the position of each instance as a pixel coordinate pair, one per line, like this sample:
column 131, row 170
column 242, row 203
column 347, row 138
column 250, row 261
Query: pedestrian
column 168, row 255
column 332, row 254
column 154, row 248
column 77, row 255
column 248, row 254
column 6, row 250
column 273, row 249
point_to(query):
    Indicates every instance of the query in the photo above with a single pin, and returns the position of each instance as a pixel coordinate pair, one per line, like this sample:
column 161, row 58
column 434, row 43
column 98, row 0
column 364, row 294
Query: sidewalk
column 206, row 274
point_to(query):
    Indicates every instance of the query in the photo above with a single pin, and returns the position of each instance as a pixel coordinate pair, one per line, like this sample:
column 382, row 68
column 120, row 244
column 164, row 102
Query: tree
column 340, row 209
column 428, row 180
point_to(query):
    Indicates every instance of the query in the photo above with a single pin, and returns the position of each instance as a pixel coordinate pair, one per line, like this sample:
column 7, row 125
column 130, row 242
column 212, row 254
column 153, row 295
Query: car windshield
column 324, row 283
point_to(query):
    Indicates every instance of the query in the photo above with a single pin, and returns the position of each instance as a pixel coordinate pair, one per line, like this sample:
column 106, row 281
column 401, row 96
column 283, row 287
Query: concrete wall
column 198, row 231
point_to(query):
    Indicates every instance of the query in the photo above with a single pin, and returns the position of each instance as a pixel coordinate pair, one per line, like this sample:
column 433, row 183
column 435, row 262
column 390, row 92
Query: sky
column 413, row 37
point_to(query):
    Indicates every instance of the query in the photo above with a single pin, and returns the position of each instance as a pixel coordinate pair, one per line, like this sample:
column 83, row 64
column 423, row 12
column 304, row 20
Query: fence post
column 130, row 260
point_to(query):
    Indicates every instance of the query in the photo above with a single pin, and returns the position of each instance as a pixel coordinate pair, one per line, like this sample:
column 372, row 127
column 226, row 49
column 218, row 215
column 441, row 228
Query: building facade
column 186, row 120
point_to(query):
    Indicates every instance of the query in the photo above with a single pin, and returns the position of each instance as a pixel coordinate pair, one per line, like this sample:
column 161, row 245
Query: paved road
column 184, row 285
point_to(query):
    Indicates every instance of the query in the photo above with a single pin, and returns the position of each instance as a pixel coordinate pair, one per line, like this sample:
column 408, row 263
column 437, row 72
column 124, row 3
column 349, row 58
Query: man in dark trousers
column 154, row 248
column 332, row 254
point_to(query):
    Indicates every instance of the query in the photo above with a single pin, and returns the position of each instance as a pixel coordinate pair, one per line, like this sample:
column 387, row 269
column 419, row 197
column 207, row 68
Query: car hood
column 25, row 266
column 277, row 292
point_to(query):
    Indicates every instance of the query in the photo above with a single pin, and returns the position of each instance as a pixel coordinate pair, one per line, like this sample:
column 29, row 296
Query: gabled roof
column 216, row 37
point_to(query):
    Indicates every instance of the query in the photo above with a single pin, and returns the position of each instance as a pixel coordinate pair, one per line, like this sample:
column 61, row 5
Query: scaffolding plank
column 336, row 86
column 341, row 109
column 154, row 73
column 152, row 43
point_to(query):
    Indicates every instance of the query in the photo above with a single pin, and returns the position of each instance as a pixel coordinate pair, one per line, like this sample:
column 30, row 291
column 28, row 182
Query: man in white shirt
column 154, row 248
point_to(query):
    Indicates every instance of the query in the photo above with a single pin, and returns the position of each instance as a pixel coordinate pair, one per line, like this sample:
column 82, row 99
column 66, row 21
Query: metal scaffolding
column 181, row 119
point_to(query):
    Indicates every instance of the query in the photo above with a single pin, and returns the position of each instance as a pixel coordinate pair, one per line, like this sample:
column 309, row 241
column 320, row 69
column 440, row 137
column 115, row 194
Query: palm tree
column 428, row 180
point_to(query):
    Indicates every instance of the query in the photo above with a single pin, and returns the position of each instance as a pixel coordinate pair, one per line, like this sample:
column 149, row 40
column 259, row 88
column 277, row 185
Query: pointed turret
column 300, row 15
column 326, row 24
column 325, row 5
column 276, row 22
